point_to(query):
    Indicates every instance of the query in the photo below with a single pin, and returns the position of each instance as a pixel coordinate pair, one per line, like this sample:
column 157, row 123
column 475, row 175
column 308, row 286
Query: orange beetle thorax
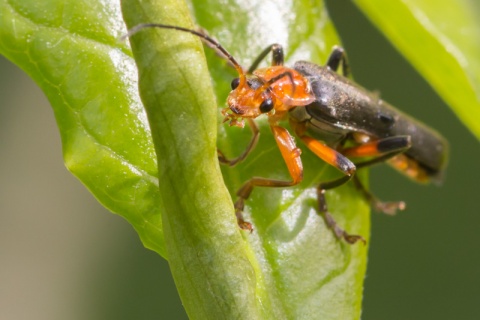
column 293, row 89
column 285, row 87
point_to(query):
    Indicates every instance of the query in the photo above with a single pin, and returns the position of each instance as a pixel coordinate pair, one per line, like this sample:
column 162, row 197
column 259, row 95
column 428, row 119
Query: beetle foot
column 244, row 225
column 340, row 233
column 389, row 208
column 352, row 238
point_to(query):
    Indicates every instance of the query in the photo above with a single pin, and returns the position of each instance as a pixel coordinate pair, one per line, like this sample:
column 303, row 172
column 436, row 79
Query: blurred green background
column 62, row 256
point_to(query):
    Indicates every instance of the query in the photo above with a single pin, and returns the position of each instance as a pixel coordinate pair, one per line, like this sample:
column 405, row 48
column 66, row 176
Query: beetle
column 333, row 116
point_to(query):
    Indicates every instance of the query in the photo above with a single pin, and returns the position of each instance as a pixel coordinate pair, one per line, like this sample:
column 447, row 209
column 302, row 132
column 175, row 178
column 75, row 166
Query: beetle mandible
column 333, row 116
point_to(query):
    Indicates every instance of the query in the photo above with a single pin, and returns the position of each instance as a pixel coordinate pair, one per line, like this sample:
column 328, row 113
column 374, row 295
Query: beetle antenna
column 205, row 37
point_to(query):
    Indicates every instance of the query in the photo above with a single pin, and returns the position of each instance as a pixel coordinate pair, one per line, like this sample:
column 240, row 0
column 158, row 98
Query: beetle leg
column 331, row 223
column 337, row 160
column 250, row 147
column 387, row 147
column 291, row 155
column 329, row 155
column 392, row 148
column 277, row 56
column 336, row 57
column 383, row 149
column 410, row 168
column 389, row 207
column 342, row 163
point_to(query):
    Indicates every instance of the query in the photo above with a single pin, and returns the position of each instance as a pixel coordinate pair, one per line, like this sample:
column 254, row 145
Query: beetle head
column 248, row 99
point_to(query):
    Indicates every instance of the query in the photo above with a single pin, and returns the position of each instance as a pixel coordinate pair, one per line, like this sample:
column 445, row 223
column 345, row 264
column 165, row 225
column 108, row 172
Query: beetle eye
column 235, row 83
column 266, row 106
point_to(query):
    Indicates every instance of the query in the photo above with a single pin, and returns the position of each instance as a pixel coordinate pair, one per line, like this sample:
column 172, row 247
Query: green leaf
column 442, row 41
column 291, row 266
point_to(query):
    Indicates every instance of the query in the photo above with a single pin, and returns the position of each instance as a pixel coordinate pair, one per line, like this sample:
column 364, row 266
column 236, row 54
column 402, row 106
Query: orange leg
column 409, row 167
column 291, row 155
column 391, row 146
column 336, row 159
column 339, row 161
column 329, row 155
